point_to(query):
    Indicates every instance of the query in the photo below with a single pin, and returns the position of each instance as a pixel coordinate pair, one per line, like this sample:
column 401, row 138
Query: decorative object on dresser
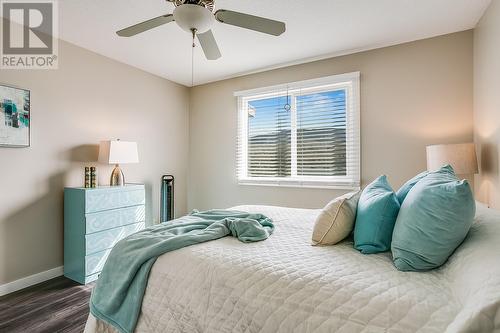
column 118, row 152
column 87, row 177
column 14, row 117
column 94, row 221
column 93, row 177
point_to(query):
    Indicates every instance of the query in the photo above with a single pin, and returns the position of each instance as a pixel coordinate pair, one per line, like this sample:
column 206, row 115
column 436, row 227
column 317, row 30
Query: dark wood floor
column 58, row 305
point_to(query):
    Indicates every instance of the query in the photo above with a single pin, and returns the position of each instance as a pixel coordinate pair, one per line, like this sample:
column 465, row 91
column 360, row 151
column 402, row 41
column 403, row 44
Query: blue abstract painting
column 14, row 117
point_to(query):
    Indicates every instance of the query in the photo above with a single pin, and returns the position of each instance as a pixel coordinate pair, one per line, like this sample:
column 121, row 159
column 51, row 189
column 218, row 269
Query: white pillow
column 336, row 221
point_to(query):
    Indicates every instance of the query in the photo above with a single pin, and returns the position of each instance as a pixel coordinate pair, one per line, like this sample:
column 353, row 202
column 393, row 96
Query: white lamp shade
column 462, row 157
column 118, row 152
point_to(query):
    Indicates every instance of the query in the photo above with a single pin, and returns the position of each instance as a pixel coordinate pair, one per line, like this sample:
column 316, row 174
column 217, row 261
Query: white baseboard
column 30, row 280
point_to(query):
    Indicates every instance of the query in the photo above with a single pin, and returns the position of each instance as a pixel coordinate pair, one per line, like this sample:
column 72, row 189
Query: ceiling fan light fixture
column 197, row 17
column 190, row 17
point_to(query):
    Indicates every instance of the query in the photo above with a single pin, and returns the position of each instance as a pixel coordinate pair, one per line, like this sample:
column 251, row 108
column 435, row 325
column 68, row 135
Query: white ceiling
column 315, row 29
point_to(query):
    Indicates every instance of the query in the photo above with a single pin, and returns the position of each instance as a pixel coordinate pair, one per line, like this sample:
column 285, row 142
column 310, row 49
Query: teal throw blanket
column 117, row 296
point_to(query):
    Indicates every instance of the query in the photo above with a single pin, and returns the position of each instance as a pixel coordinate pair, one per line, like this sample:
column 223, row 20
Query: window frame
column 348, row 82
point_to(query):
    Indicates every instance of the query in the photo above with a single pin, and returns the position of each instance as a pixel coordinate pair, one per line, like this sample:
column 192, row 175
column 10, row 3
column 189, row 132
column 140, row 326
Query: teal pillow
column 434, row 219
column 378, row 208
column 403, row 191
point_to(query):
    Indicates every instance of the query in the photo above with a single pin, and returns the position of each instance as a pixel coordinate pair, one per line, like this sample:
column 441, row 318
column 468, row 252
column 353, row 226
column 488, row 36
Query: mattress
column 284, row 284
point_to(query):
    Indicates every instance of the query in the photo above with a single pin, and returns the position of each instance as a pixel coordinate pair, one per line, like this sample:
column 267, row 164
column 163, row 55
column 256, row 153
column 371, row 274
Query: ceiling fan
column 198, row 16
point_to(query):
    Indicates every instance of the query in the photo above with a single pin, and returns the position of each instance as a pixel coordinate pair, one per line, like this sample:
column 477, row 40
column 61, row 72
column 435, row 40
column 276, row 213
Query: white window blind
column 301, row 134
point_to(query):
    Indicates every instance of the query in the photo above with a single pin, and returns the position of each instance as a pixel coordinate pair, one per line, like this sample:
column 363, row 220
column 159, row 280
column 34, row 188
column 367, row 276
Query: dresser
column 95, row 219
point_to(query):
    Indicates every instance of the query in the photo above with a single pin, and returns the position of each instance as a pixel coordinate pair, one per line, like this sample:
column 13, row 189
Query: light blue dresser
column 95, row 219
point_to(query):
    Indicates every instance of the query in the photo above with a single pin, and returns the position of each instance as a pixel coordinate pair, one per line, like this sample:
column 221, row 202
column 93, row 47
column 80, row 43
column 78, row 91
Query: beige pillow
column 336, row 221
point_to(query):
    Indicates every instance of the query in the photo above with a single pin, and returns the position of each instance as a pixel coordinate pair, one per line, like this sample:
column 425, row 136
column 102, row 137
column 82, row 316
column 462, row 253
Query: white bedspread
column 284, row 284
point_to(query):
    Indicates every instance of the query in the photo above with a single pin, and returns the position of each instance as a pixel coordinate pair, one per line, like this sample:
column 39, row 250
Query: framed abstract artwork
column 14, row 117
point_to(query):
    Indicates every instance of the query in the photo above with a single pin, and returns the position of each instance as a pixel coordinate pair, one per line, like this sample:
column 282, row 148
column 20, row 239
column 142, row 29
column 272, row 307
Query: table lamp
column 118, row 152
column 462, row 157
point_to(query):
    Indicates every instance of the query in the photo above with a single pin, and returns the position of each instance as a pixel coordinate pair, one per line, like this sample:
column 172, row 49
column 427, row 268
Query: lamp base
column 117, row 177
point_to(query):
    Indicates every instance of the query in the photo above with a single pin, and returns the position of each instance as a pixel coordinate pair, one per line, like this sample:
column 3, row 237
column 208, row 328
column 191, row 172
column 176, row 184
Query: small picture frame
column 15, row 117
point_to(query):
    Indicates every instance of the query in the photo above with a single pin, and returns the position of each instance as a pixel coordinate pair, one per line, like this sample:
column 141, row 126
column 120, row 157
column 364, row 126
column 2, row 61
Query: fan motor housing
column 208, row 4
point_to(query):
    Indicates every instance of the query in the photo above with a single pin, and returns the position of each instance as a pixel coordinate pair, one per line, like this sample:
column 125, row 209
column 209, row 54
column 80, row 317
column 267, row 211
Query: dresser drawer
column 114, row 218
column 91, row 278
column 95, row 262
column 104, row 200
column 106, row 239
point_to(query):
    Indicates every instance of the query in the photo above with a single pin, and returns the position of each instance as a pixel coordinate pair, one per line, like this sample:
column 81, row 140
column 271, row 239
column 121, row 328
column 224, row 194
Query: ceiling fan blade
column 146, row 25
column 251, row 22
column 209, row 45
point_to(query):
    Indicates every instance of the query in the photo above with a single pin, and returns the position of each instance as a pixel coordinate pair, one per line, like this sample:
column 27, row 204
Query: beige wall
column 412, row 95
column 89, row 98
column 487, row 104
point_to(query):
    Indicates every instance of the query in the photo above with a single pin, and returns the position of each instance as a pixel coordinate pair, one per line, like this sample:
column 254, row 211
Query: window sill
column 299, row 184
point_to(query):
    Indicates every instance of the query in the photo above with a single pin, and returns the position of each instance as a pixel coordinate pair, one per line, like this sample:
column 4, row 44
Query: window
column 301, row 134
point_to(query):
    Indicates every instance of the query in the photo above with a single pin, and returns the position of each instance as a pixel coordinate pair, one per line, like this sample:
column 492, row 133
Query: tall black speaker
column 167, row 198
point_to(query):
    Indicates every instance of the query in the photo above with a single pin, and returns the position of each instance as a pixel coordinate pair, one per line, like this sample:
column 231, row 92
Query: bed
column 284, row 284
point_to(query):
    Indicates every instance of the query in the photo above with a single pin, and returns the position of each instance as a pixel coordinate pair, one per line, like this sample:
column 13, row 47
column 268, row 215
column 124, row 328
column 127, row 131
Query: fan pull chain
column 192, row 66
column 192, row 57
